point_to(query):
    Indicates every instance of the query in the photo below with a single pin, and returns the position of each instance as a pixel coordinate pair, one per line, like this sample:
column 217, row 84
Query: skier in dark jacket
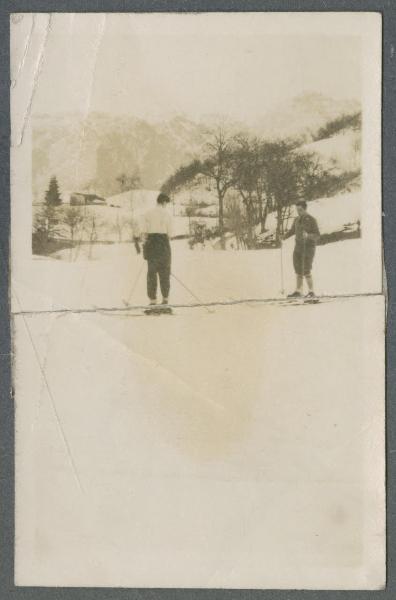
column 306, row 230
column 157, row 230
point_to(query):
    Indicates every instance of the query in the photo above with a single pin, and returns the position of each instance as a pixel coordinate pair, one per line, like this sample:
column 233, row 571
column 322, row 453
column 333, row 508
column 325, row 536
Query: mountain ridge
column 90, row 151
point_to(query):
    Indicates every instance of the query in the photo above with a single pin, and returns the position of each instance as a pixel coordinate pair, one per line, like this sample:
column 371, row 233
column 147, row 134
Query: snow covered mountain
column 303, row 116
column 89, row 153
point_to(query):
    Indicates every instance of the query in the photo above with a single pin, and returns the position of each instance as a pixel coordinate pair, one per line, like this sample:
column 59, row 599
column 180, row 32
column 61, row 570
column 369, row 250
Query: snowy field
column 103, row 275
column 213, row 276
column 203, row 450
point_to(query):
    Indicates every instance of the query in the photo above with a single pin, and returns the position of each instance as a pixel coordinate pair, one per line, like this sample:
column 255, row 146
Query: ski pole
column 281, row 266
column 190, row 292
column 126, row 302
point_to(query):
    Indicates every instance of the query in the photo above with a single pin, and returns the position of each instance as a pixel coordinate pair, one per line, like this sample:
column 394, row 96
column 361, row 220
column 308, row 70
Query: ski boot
column 310, row 298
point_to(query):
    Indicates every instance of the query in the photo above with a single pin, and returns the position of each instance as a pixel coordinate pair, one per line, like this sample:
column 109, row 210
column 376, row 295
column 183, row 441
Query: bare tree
column 218, row 167
column 268, row 176
column 236, row 221
column 48, row 220
column 247, row 180
column 191, row 211
column 214, row 169
column 90, row 226
column 46, row 229
column 284, row 170
column 119, row 225
column 73, row 218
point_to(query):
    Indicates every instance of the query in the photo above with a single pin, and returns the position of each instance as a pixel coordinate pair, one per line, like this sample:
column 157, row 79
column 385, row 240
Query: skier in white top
column 157, row 230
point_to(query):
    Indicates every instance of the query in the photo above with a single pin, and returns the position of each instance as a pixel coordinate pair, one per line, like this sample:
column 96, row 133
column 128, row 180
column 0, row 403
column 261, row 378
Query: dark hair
column 301, row 203
column 163, row 199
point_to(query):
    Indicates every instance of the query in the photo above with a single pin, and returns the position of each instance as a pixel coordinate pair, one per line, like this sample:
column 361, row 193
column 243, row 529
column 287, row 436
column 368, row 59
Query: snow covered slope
column 340, row 152
column 106, row 278
column 210, row 449
column 331, row 213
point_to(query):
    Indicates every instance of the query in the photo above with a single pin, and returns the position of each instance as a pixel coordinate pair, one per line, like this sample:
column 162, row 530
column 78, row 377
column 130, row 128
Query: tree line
column 57, row 226
column 253, row 177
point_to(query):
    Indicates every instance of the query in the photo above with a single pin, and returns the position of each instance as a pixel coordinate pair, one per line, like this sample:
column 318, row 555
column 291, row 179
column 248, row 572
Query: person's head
column 163, row 199
column 301, row 207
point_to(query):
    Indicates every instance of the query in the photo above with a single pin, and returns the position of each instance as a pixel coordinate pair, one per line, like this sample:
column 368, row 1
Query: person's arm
column 169, row 227
column 136, row 234
column 312, row 231
column 291, row 231
column 143, row 228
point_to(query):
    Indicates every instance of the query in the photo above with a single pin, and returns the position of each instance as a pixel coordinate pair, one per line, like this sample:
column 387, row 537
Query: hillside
column 303, row 116
column 90, row 153
column 340, row 152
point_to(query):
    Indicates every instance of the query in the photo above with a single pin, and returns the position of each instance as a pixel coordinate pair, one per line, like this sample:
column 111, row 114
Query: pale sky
column 102, row 66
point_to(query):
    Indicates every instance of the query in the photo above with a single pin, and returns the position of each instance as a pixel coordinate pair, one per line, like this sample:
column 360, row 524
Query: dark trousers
column 303, row 256
column 161, row 268
column 157, row 252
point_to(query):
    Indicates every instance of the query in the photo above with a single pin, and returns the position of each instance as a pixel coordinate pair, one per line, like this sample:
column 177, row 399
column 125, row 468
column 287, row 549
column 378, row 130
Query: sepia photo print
column 197, row 297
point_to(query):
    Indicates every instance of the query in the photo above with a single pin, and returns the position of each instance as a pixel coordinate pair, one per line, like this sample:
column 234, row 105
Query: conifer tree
column 52, row 195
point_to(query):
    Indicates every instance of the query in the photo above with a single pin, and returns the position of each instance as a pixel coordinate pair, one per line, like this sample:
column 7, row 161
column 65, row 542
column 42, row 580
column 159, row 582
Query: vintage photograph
column 198, row 301
column 241, row 134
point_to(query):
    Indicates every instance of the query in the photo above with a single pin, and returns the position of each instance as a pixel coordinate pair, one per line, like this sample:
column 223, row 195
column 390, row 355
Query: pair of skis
column 300, row 300
column 157, row 310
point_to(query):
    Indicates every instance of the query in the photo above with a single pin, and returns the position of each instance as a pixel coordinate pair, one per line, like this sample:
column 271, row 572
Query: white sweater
column 157, row 220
